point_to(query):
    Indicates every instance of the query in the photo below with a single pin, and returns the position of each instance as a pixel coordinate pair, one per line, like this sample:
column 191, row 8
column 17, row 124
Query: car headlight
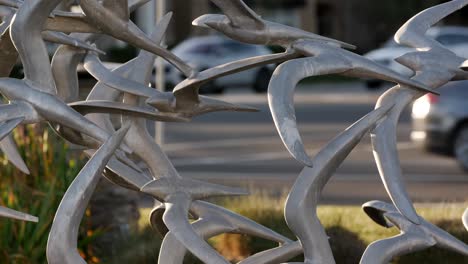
column 422, row 106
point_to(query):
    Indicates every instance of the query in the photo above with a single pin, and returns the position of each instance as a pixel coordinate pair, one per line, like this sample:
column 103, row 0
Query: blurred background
column 244, row 149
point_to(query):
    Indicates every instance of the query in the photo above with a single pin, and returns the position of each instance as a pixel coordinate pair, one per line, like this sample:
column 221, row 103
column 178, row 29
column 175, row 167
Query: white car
column 454, row 38
column 206, row 52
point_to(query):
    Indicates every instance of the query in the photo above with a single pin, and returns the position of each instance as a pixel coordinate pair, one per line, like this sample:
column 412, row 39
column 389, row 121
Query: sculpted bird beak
column 464, row 66
column 207, row 21
column 376, row 211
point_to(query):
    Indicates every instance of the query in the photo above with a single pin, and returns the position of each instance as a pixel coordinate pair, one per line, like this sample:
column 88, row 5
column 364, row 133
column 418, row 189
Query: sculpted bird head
column 217, row 22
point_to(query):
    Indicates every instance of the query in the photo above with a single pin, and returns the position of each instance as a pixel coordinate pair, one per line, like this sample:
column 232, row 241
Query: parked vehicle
column 440, row 123
column 454, row 38
column 206, row 52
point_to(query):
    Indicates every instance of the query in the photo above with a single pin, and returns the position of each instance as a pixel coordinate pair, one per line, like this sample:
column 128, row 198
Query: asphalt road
column 244, row 148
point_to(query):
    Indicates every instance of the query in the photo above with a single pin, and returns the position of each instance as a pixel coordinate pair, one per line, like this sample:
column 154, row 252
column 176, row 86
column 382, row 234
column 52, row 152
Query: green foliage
column 53, row 168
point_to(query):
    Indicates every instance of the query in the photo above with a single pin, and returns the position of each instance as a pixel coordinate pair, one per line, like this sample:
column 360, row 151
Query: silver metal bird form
column 64, row 69
column 8, row 59
column 434, row 66
column 63, row 236
column 123, row 29
column 26, row 33
column 412, row 238
column 243, row 24
column 138, row 70
column 275, row 255
column 49, row 93
column 212, row 220
column 465, row 219
column 177, row 194
column 322, row 59
column 303, row 199
column 185, row 101
column 77, row 22
column 12, row 214
column 7, row 14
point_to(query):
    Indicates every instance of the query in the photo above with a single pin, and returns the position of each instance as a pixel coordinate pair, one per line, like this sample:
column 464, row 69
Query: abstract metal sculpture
column 49, row 93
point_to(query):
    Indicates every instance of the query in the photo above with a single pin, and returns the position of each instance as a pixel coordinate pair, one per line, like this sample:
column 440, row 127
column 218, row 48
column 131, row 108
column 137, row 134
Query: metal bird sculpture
column 434, row 66
column 177, row 194
column 301, row 205
column 243, row 24
column 12, row 214
column 123, row 29
column 7, row 14
column 412, row 238
column 212, row 220
column 465, row 219
column 63, row 236
column 49, row 93
column 185, row 101
column 324, row 59
column 78, row 23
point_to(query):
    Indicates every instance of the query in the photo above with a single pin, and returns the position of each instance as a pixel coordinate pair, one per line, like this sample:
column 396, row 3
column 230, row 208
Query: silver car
column 440, row 124
column 210, row 51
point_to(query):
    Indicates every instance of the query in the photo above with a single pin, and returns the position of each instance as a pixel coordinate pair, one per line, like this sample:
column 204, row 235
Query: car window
column 238, row 47
column 203, row 49
column 452, row 39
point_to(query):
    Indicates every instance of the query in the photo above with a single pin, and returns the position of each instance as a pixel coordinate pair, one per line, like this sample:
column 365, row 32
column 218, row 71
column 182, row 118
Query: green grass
column 349, row 228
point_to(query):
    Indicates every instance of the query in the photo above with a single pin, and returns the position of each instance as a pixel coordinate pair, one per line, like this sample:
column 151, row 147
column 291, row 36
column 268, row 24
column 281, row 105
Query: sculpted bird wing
column 303, row 200
column 118, row 7
column 11, row 3
column 189, row 88
column 465, row 219
column 275, row 255
column 8, row 126
column 129, row 32
column 383, row 251
column 239, row 14
column 97, row 69
column 106, row 107
column 62, row 38
column 63, row 236
column 281, row 95
column 175, row 218
column 412, row 33
column 386, row 154
column 9, row 148
column 361, row 66
column 213, row 221
column 12, row 214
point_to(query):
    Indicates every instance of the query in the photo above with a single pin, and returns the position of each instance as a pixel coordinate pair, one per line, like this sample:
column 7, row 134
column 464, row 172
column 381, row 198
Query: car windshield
column 202, row 47
column 452, row 39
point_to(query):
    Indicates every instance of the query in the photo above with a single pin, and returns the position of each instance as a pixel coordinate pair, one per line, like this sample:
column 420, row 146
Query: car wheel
column 461, row 147
column 374, row 84
column 262, row 80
